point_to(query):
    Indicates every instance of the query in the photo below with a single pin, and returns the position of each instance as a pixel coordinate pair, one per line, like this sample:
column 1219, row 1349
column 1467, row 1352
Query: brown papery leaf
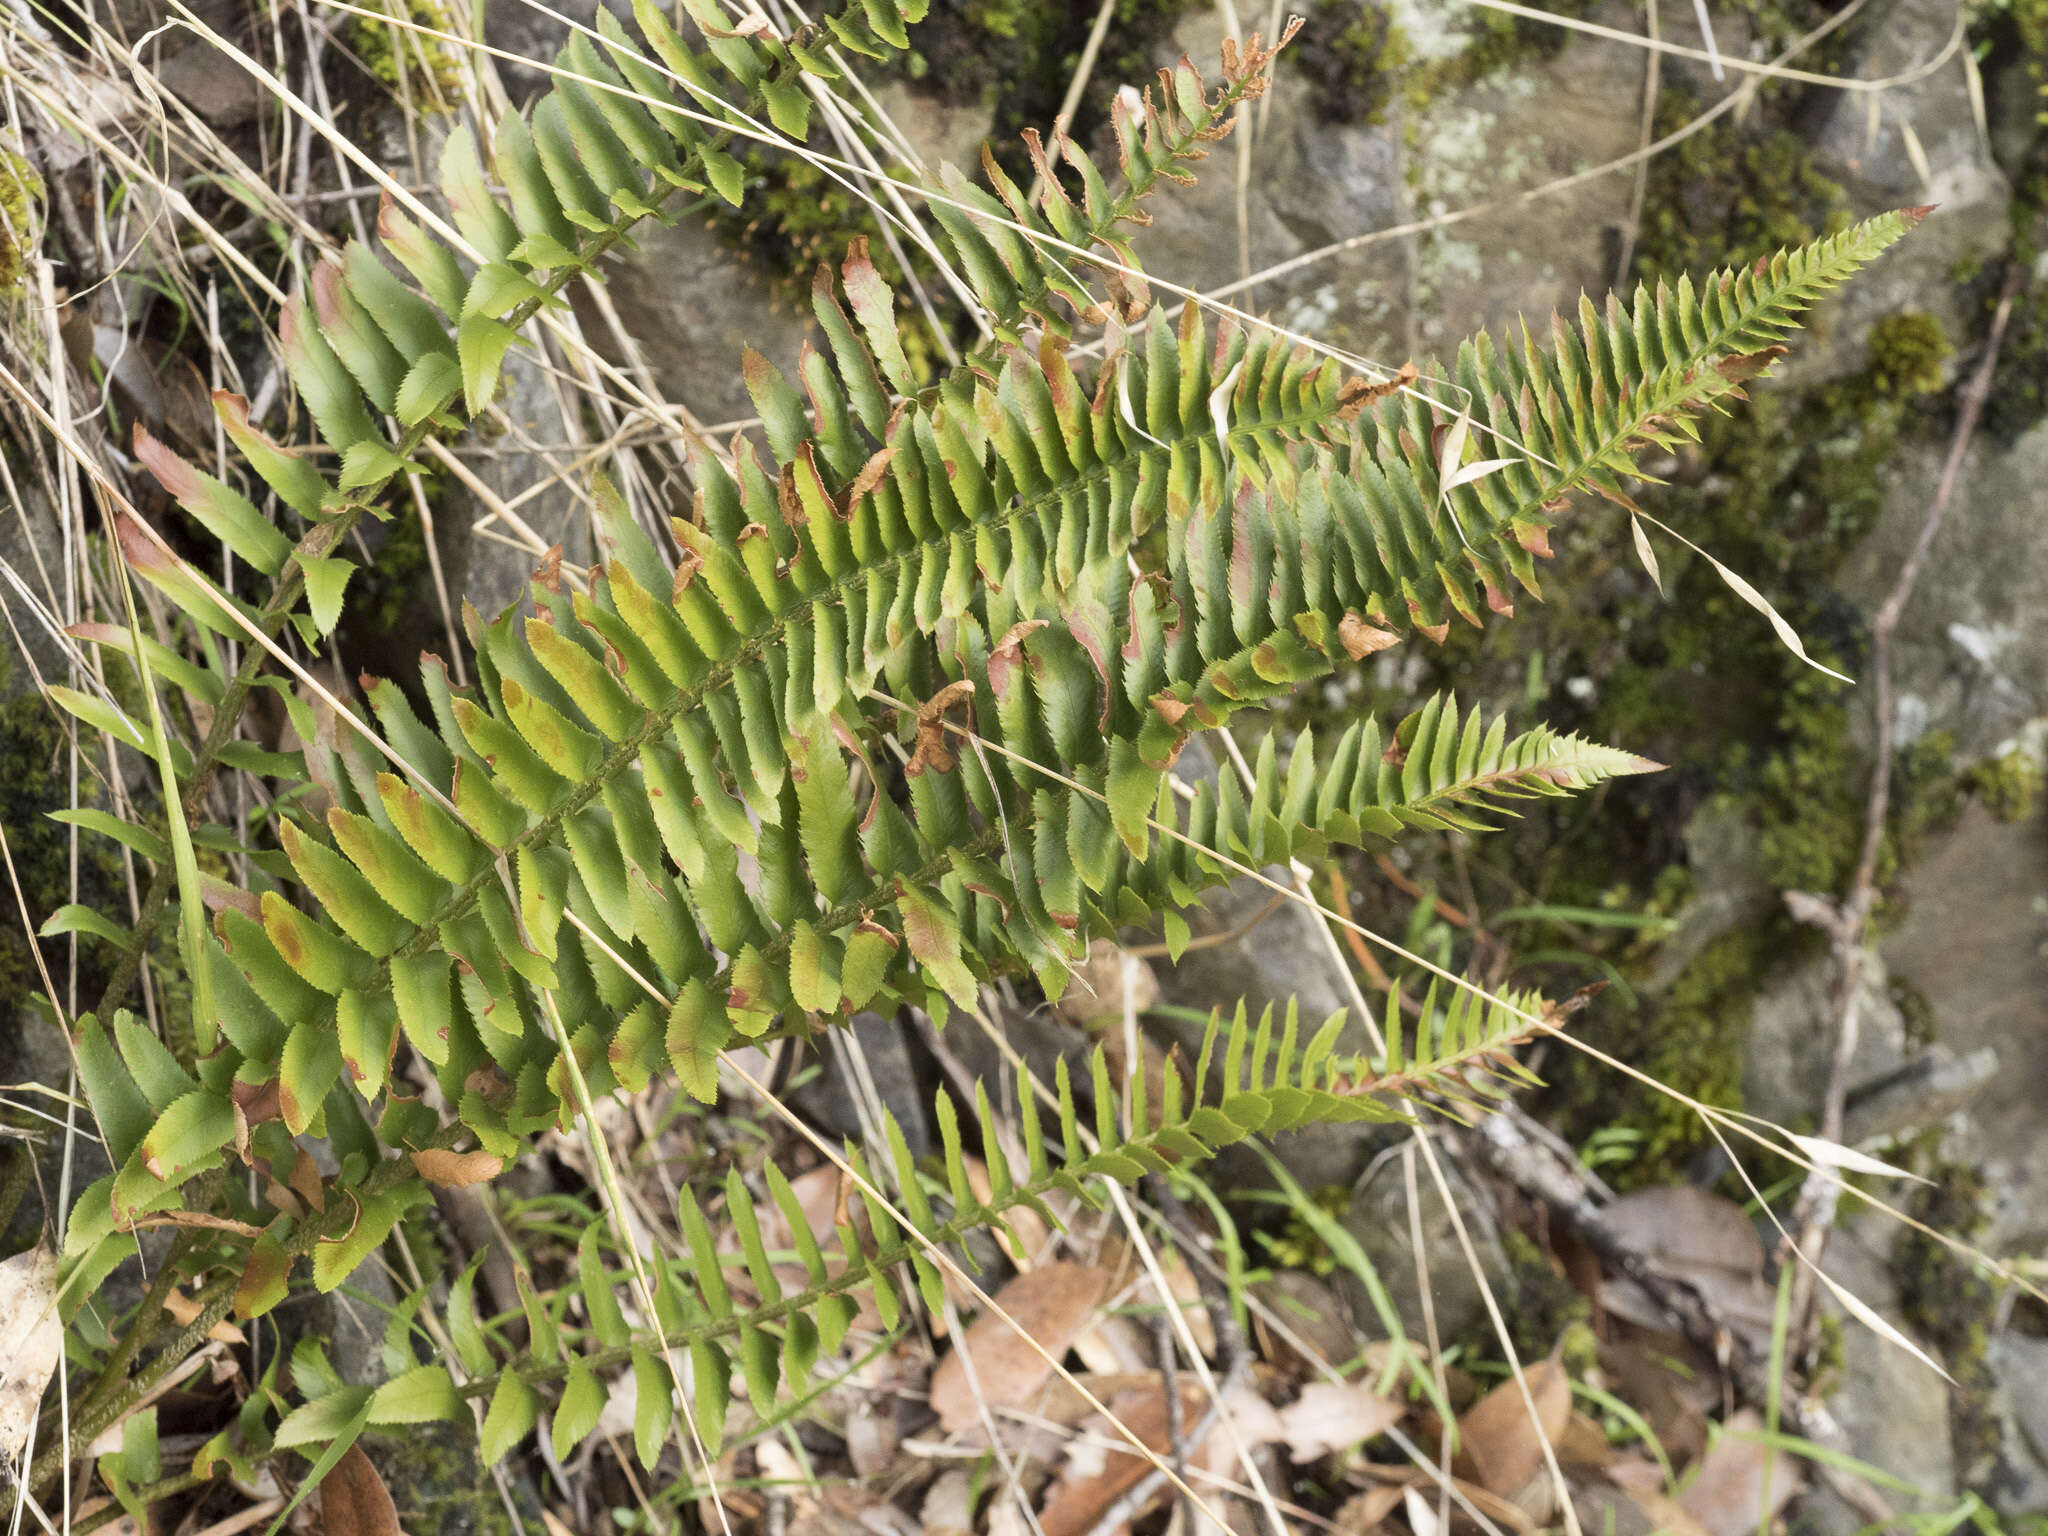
column 1508, row 1516
column 1500, row 1446
column 1050, row 1304
column 933, row 749
column 1361, row 1513
column 354, row 1500
column 1330, row 1415
column 1726, row 1494
column 1086, row 1490
column 457, row 1170
column 30, row 1346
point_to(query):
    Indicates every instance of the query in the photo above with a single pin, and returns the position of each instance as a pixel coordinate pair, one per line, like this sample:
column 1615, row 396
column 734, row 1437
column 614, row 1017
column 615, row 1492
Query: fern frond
column 1254, row 1078
column 624, row 745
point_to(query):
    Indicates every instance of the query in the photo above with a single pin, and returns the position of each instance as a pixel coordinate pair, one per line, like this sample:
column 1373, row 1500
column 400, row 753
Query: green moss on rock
column 1695, row 1044
column 1359, row 60
column 1724, row 196
column 378, row 45
column 21, row 217
column 1908, row 352
column 1353, row 57
column 2007, row 785
column 1548, row 1308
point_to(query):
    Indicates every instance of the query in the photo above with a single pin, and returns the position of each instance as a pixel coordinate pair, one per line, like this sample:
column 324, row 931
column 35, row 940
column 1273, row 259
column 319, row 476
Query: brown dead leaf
column 934, row 750
column 457, row 1170
column 1255, row 1422
column 1186, row 1291
column 1084, row 1492
column 1330, row 1415
column 1667, row 1516
column 1063, row 1403
column 1361, row 1514
column 1686, row 1226
column 1726, row 1493
column 30, row 1346
column 948, row 1508
column 871, row 1440
column 1362, row 639
column 1301, row 1324
column 354, row 1500
column 1641, row 1480
column 1583, row 1444
column 1497, row 1509
column 1500, row 1446
column 1699, row 1238
column 184, row 1309
column 305, row 1180
column 1675, row 1404
column 1050, row 1305
column 1355, row 394
column 1634, row 1471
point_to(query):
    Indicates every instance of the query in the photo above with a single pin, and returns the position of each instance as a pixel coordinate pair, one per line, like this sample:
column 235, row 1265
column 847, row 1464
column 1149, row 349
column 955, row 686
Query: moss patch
column 1360, row 61
column 2007, row 785
column 1724, row 197
column 21, row 217
column 1908, row 352
column 432, row 68
column 1691, row 1040
column 1354, row 58
column 1015, row 57
column 1548, row 1308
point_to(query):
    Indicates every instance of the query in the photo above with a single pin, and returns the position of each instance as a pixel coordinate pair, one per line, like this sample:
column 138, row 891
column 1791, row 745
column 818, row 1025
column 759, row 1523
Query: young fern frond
column 1251, row 1078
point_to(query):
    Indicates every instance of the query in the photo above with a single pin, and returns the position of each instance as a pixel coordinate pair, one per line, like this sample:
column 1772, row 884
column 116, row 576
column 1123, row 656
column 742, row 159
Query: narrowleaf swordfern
column 893, row 714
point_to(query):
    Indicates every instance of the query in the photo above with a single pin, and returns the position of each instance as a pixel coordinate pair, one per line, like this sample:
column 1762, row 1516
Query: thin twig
column 1844, row 921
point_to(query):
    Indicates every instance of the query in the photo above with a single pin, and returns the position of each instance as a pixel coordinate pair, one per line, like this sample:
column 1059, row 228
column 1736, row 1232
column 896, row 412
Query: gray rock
column 533, row 32
column 1730, row 886
column 1379, row 1220
column 1785, row 1067
column 832, row 1097
column 1972, row 942
column 1893, row 1409
column 2020, row 1482
column 1924, row 1091
column 353, row 1324
column 1316, row 183
column 692, row 304
column 1897, row 37
column 483, row 566
column 1972, row 650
